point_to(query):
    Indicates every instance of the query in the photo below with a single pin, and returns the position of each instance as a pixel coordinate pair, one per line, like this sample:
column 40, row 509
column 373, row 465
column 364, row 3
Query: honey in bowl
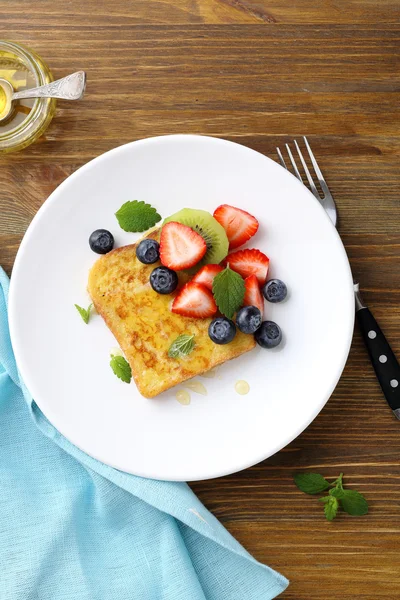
column 3, row 102
column 13, row 70
column 29, row 118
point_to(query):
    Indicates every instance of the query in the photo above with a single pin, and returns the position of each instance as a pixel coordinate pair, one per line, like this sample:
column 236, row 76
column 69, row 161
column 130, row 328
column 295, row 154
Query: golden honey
column 13, row 70
column 183, row 397
column 196, row 386
column 209, row 374
column 3, row 102
column 29, row 118
column 242, row 387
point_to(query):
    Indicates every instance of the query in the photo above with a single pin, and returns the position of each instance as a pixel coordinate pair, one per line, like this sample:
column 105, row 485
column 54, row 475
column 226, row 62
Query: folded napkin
column 72, row 528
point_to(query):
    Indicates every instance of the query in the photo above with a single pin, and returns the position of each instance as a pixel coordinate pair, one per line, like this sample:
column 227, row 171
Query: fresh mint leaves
column 121, row 368
column 136, row 215
column 331, row 507
column 354, row 503
column 182, row 346
column 350, row 501
column 311, row 483
column 228, row 290
column 84, row 312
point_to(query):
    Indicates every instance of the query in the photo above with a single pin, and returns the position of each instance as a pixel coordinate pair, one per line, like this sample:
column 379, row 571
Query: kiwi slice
column 210, row 230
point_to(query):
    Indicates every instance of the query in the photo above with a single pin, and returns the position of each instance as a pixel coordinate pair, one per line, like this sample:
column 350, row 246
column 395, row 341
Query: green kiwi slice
column 210, row 230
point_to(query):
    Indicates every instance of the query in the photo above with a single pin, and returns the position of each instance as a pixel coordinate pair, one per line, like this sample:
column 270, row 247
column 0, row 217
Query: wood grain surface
column 259, row 72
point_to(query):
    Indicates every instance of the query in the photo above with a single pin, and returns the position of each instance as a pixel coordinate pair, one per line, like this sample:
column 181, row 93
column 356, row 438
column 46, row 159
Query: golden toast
column 145, row 327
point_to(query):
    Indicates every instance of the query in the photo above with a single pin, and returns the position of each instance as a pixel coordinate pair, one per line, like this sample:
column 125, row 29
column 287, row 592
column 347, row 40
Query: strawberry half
column 180, row 246
column 194, row 300
column 249, row 262
column 206, row 275
column 252, row 295
column 239, row 225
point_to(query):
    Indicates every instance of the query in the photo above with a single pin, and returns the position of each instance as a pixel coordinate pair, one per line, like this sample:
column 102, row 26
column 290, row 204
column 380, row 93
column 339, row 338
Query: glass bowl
column 24, row 69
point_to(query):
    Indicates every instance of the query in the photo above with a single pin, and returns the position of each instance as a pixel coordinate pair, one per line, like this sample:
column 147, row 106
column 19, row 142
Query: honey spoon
column 71, row 87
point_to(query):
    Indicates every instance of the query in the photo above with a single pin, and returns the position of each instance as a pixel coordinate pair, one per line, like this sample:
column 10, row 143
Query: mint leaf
column 331, row 507
column 121, row 368
column 182, row 346
column 228, row 290
column 336, row 492
column 137, row 215
column 85, row 313
column 311, row 483
column 351, row 501
column 354, row 503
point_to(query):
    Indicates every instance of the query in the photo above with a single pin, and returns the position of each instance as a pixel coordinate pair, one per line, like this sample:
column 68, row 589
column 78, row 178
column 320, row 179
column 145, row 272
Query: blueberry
column 148, row 251
column 274, row 290
column 222, row 330
column 101, row 241
column 268, row 335
column 163, row 280
column 248, row 319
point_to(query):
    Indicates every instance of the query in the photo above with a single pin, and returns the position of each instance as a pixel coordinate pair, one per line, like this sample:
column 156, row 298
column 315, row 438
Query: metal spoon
column 71, row 87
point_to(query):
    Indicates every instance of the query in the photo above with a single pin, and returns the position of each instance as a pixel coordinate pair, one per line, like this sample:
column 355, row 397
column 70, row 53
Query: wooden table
column 260, row 73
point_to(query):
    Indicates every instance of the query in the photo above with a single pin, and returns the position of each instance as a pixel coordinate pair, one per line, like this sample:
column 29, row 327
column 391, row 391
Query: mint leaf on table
column 336, row 492
column 136, row 215
column 121, row 368
column 311, row 483
column 354, row 503
column 84, row 312
column 331, row 507
column 182, row 346
column 350, row 501
column 228, row 289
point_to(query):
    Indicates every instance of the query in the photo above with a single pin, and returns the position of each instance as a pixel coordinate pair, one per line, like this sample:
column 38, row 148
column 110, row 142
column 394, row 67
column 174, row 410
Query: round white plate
column 65, row 364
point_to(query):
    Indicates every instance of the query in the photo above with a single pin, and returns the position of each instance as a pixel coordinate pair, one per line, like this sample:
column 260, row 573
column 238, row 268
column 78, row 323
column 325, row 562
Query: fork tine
column 281, row 159
column 307, row 172
column 296, row 171
column 317, row 170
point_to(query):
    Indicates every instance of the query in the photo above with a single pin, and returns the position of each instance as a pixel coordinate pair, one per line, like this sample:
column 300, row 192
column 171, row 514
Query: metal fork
column 326, row 200
column 386, row 366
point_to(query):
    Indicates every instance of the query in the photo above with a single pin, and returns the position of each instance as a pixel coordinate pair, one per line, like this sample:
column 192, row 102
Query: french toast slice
column 145, row 327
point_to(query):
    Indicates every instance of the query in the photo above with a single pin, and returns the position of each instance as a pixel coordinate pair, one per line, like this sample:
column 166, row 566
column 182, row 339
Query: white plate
column 65, row 363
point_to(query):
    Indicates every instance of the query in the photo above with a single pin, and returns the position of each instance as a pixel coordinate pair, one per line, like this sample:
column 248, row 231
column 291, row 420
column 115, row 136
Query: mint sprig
column 136, row 215
column 121, row 368
column 350, row 501
column 182, row 346
column 84, row 312
column 228, row 290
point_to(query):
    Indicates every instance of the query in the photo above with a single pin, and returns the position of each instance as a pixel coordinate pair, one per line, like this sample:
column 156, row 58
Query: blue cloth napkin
column 72, row 528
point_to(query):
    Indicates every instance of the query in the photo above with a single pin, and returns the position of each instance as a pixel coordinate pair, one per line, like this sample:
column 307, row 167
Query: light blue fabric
column 72, row 528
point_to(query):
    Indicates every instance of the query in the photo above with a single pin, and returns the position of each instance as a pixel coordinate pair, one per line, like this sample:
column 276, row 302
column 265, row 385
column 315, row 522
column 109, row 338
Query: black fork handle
column 385, row 363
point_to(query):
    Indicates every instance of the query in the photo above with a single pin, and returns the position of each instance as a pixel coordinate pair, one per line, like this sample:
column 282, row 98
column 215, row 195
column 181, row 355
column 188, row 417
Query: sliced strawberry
column 253, row 295
column 180, row 246
column 194, row 300
column 239, row 225
column 206, row 275
column 249, row 262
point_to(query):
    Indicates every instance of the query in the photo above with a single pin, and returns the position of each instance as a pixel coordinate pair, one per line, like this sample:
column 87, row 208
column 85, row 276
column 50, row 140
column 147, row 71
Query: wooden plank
column 118, row 13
